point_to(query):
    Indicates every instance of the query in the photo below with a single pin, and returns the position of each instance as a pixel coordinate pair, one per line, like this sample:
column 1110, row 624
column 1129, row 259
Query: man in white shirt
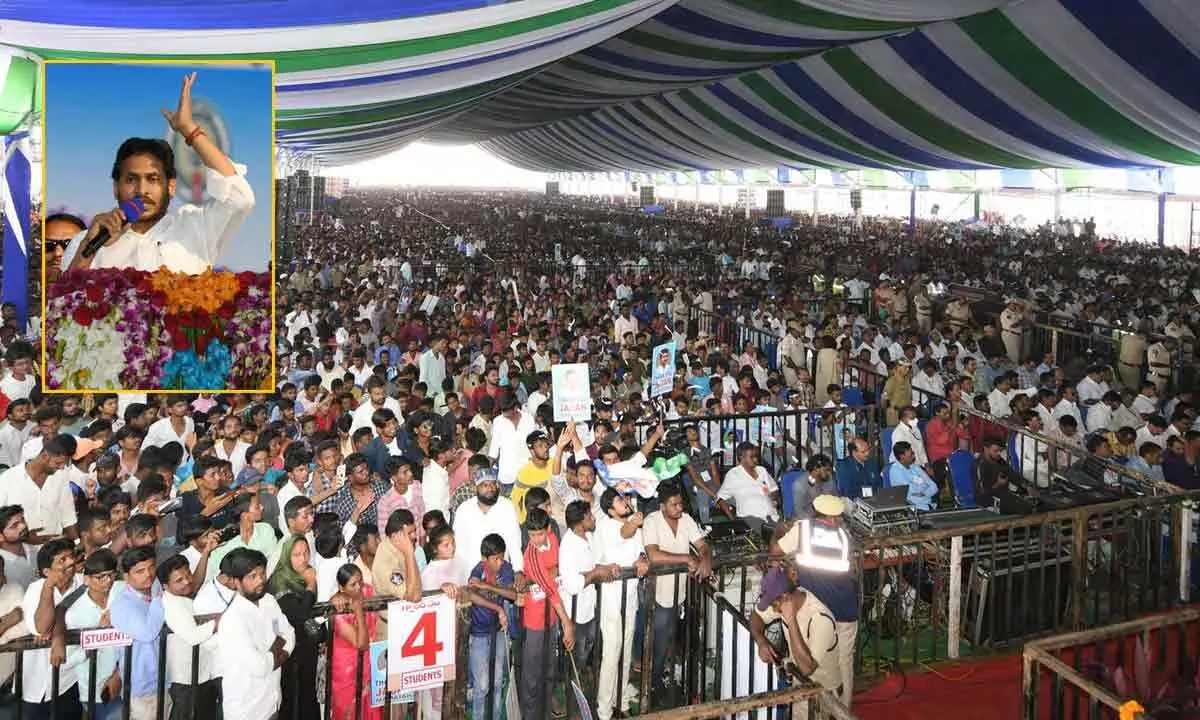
column 625, row 325
column 618, row 541
column 43, row 491
column 177, row 426
column 1146, row 401
column 433, row 364
column 19, row 380
column 14, row 432
column 377, row 399
column 908, row 430
column 231, row 447
column 17, row 556
column 1000, row 398
column 507, row 446
column 1100, row 415
column 751, row 488
column 57, row 579
column 435, row 480
column 672, row 537
column 578, row 572
column 1154, row 431
column 189, row 239
column 483, row 515
column 253, row 641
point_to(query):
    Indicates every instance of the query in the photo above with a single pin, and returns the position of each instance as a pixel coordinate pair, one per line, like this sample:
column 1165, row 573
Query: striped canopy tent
column 661, row 85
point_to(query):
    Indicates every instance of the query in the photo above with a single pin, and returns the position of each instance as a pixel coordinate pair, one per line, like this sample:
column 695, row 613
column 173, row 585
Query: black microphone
column 133, row 209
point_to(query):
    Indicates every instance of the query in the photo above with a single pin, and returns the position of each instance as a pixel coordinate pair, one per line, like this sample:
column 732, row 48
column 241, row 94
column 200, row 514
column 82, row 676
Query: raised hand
column 181, row 120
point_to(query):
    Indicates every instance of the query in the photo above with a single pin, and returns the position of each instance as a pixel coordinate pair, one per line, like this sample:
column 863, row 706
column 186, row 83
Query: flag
column 15, row 204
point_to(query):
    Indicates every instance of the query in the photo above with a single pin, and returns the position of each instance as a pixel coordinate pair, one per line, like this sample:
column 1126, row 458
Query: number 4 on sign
column 422, row 641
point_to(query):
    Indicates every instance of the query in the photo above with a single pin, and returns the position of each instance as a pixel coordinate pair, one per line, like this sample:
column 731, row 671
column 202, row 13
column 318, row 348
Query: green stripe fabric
column 1000, row 38
column 912, row 116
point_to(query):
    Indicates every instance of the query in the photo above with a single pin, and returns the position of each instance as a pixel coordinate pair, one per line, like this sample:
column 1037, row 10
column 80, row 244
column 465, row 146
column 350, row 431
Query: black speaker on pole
column 856, row 200
column 551, row 189
column 646, row 196
column 775, row 204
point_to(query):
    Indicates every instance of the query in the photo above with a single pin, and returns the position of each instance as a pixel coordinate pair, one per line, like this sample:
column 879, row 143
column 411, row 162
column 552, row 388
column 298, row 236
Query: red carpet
column 987, row 689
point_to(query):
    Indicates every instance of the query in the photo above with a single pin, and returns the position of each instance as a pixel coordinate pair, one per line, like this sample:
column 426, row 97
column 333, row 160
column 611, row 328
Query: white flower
column 93, row 356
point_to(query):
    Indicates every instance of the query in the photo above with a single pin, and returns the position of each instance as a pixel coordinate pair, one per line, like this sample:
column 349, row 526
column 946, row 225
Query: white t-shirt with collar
column 189, row 238
column 750, row 495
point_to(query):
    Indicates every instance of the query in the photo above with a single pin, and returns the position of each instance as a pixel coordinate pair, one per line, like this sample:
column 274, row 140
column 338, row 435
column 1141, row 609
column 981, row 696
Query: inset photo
column 158, row 226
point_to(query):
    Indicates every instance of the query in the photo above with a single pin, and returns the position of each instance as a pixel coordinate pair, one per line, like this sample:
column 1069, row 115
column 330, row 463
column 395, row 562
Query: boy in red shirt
column 541, row 572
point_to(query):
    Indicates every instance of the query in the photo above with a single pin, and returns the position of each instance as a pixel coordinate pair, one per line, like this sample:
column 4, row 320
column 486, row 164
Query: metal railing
column 1093, row 673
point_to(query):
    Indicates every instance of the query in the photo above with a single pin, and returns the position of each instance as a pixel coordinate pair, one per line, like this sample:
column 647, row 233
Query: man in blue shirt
column 857, row 470
column 922, row 490
column 138, row 611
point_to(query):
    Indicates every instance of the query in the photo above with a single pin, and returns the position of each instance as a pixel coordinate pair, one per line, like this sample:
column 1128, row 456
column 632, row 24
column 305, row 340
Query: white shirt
column 435, row 488
column 575, row 559
column 162, row 432
column 671, row 590
column 472, row 525
column 236, row 458
column 1143, row 405
column 508, row 446
column 35, row 666
column 751, row 495
column 85, row 613
column 50, row 508
column 250, row 680
column 192, row 555
column 327, row 570
column 1089, row 391
column 611, row 548
column 11, row 442
column 1099, row 418
column 286, row 492
column 15, row 389
column 912, row 436
column 180, row 614
column 189, row 238
column 18, row 569
column 363, row 413
column 1145, row 436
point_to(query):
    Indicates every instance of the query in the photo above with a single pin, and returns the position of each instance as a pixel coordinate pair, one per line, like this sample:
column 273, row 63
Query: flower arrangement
column 112, row 329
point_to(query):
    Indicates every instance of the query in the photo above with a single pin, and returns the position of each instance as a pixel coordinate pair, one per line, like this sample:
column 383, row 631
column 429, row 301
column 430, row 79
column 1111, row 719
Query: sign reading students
column 421, row 644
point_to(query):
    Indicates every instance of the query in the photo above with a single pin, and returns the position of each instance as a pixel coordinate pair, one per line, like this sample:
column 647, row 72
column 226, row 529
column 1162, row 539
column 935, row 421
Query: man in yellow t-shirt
column 535, row 473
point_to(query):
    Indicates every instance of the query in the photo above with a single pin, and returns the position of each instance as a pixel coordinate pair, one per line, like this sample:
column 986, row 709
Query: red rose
column 202, row 344
column 93, row 294
column 159, row 298
column 180, row 342
column 172, row 323
column 103, row 309
column 226, row 312
column 82, row 316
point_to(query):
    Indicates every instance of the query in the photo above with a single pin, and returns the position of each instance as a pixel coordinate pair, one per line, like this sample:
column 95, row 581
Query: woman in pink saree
column 352, row 635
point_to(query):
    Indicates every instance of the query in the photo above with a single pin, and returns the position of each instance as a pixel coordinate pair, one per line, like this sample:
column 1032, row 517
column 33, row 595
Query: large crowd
column 411, row 446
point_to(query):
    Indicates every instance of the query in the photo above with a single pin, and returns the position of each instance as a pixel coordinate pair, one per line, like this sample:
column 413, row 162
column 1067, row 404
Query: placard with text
column 421, row 643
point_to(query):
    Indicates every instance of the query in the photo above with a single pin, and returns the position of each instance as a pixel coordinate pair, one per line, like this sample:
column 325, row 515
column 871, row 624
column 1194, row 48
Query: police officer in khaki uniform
column 923, row 307
column 1012, row 329
column 1129, row 359
column 958, row 314
column 1158, row 363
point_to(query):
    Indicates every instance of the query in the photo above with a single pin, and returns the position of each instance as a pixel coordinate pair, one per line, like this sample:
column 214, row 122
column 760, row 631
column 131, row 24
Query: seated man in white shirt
column 751, row 489
column 187, row 240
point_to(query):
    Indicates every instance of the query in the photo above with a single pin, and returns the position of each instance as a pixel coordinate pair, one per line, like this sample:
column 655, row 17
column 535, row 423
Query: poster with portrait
column 571, row 392
column 662, row 369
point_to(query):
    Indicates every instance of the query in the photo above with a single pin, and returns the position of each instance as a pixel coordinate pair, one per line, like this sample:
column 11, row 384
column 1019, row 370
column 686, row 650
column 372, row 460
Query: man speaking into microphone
column 143, row 232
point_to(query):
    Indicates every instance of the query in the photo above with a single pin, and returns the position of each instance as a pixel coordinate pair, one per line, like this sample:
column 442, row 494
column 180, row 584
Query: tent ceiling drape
column 670, row 84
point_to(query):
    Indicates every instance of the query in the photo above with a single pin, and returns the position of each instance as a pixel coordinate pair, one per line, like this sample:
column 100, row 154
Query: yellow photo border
column 273, row 265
